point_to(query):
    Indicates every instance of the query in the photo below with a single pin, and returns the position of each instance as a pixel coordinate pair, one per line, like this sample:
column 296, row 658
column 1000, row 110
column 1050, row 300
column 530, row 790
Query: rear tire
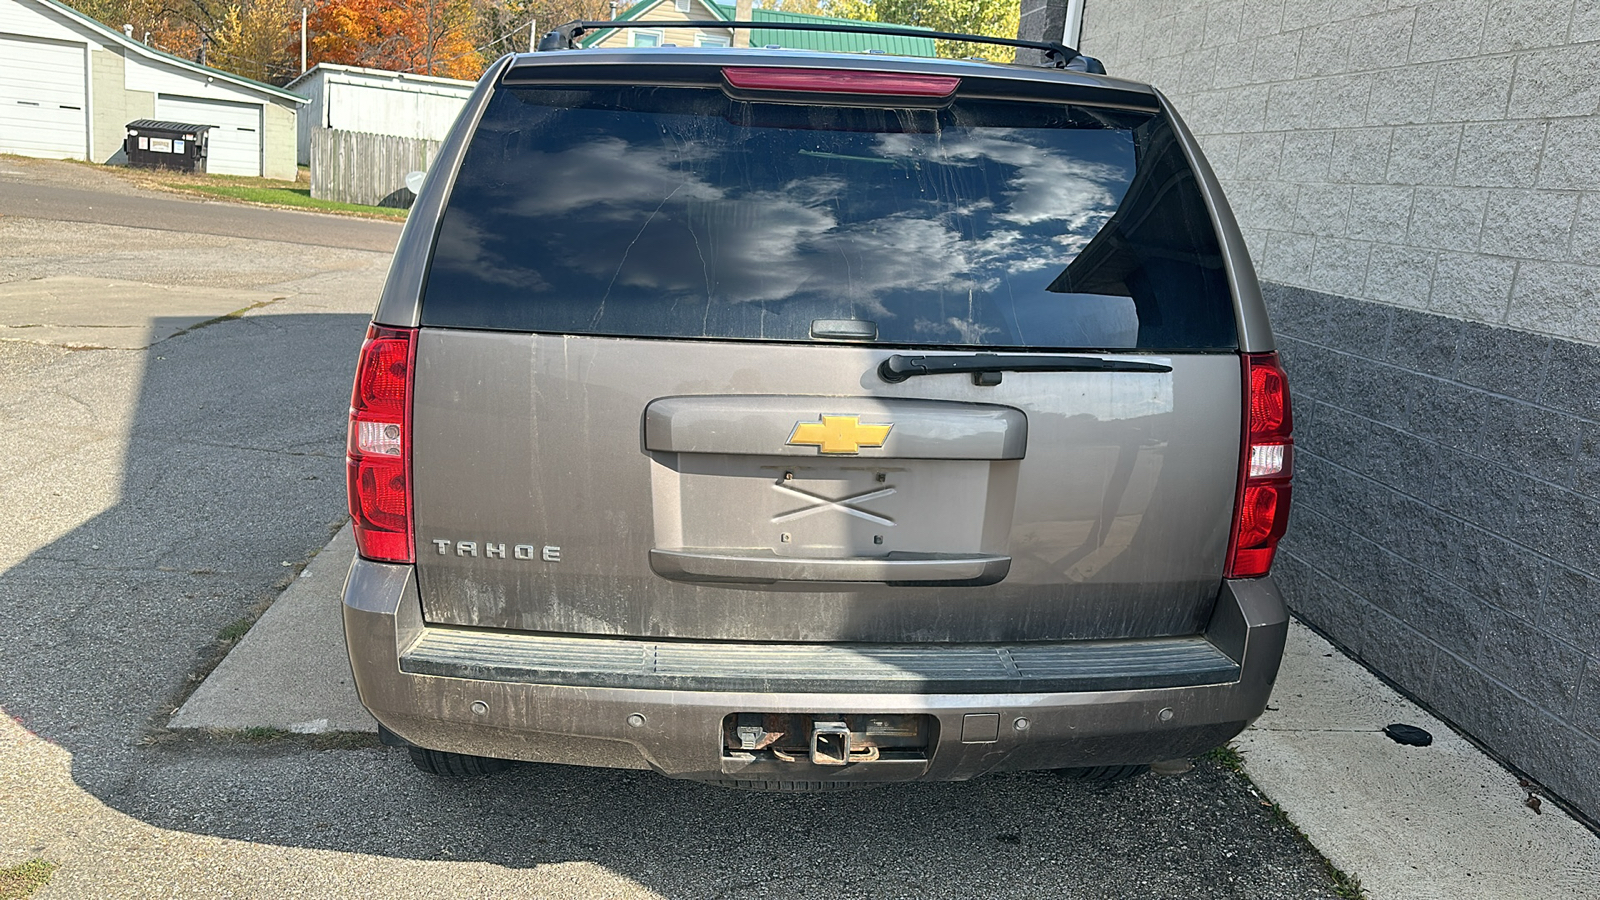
column 1103, row 774
column 455, row 765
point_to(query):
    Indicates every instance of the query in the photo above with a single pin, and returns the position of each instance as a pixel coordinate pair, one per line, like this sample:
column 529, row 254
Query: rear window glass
column 681, row 212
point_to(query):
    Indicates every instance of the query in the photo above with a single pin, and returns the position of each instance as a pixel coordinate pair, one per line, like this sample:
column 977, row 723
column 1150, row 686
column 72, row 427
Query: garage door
column 234, row 144
column 42, row 108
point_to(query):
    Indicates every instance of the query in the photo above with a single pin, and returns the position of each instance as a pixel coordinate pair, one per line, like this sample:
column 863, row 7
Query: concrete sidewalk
column 290, row 670
column 1443, row 821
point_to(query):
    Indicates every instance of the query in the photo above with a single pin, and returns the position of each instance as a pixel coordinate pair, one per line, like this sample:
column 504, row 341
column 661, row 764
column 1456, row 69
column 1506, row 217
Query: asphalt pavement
column 171, row 485
column 1439, row 822
column 48, row 190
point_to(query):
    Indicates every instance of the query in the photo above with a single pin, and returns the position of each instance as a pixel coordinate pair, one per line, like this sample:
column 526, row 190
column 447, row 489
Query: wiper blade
column 898, row 368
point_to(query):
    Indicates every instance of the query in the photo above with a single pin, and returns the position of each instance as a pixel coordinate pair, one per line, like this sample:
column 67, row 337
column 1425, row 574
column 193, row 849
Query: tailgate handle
column 898, row 368
column 765, row 567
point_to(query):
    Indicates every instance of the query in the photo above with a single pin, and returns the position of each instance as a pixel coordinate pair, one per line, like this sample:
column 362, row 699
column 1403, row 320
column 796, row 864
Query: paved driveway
column 161, row 489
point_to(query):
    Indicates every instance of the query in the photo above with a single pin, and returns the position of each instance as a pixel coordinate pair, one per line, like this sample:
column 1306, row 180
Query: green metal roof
column 830, row 41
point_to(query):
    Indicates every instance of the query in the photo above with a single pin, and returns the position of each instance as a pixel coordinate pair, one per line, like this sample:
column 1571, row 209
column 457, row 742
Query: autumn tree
column 259, row 40
column 143, row 15
column 430, row 37
column 152, row 20
column 254, row 38
column 503, row 26
column 808, row 7
column 992, row 18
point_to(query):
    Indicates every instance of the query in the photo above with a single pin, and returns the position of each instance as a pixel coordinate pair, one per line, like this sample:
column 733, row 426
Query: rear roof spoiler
column 1060, row 56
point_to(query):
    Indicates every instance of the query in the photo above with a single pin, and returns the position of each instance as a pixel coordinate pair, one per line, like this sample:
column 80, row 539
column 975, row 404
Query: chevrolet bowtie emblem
column 839, row 434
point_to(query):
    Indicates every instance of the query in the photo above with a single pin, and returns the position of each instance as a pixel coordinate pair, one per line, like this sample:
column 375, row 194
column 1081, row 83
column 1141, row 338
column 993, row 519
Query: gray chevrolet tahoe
column 796, row 420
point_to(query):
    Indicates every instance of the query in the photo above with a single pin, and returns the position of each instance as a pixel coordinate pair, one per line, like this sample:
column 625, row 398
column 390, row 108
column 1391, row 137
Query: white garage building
column 69, row 85
column 377, row 101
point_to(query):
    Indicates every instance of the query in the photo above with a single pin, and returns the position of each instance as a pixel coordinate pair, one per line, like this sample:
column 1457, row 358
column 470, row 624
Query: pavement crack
column 225, row 317
column 275, row 451
column 86, row 564
column 74, row 398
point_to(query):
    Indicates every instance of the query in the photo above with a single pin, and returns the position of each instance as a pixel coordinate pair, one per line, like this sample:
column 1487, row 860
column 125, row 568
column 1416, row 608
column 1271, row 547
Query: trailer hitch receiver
column 830, row 744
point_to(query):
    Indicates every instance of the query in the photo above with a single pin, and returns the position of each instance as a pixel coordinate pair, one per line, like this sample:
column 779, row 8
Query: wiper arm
column 986, row 367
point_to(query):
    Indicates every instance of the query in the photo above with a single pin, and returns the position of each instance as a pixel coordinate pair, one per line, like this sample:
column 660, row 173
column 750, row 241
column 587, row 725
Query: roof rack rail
column 1060, row 56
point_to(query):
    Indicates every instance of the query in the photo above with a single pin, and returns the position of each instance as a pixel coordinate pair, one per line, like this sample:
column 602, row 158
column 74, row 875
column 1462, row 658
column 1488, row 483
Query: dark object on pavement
column 1410, row 735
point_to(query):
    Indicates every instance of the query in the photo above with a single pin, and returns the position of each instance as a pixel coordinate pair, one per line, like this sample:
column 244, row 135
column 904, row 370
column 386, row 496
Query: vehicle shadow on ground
column 234, row 467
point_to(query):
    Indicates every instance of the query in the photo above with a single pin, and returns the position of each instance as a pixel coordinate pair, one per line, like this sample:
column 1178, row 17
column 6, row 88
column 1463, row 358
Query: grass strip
column 1345, row 885
column 297, row 197
column 21, row 880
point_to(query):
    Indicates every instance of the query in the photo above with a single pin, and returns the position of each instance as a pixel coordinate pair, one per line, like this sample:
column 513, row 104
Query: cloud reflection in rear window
column 679, row 212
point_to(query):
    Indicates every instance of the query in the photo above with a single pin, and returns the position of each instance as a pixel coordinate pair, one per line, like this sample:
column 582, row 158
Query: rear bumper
column 678, row 732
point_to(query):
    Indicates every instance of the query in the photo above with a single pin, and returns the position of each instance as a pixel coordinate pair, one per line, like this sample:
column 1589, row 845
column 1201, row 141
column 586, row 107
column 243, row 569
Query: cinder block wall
column 114, row 106
column 1420, row 187
column 279, row 151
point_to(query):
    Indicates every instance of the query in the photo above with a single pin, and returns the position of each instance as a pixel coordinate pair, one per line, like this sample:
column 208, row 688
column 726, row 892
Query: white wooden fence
column 370, row 169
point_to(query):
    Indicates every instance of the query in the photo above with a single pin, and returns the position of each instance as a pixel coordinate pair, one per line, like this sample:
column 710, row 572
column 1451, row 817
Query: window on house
column 683, row 5
column 645, row 38
column 710, row 40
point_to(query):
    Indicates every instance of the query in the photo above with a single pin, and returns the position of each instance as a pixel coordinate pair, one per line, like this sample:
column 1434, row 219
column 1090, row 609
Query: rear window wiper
column 986, row 367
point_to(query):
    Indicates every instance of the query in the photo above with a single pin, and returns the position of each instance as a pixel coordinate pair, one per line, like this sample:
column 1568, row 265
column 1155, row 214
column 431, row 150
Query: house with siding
column 69, row 86
column 1419, row 185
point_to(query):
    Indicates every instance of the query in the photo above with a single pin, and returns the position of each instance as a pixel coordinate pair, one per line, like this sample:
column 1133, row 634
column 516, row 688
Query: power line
column 265, row 65
column 215, row 51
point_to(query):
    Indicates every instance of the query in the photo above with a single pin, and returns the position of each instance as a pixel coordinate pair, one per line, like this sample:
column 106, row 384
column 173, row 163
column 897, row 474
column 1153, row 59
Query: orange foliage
column 173, row 35
column 425, row 36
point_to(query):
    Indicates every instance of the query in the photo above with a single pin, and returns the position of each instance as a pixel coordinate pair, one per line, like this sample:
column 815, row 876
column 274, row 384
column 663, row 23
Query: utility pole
column 741, row 13
column 302, row 40
column 533, row 35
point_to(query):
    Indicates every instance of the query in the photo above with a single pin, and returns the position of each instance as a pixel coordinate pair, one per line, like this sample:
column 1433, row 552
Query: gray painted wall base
column 1436, row 160
column 1446, row 522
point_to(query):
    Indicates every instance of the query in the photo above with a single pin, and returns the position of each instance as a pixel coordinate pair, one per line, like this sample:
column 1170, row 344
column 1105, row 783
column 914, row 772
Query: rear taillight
column 1261, row 509
column 833, row 81
column 378, row 448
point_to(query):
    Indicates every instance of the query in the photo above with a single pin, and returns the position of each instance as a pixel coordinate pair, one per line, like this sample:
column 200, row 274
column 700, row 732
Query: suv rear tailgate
column 648, row 400
column 539, row 502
